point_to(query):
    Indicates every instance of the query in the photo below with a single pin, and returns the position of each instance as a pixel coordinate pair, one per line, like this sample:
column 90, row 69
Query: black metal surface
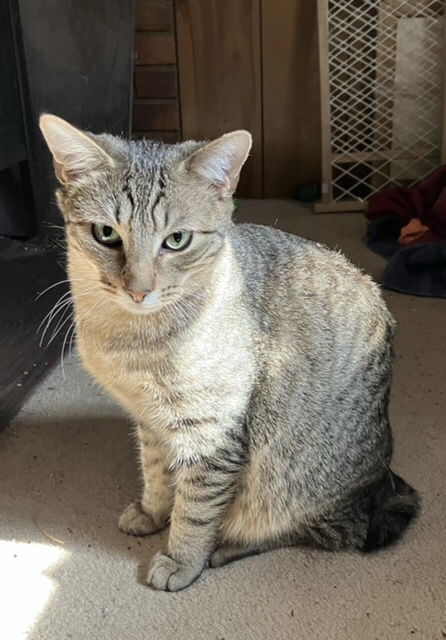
column 24, row 272
column 12, row 136
column 79, row 59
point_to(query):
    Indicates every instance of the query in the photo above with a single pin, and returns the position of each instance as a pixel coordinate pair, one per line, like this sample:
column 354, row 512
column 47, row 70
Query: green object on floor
column 309, row 192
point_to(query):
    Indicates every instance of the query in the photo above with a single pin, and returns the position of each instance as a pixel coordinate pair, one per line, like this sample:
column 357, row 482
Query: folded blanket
column 407, row 226
column 425, row 201
column 419, row 271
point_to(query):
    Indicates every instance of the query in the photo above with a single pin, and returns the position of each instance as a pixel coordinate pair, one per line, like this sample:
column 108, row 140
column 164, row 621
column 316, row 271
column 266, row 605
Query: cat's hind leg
column 369, row 518
column 228, row 552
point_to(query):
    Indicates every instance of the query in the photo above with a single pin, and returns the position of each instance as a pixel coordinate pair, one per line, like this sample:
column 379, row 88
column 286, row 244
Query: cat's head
column 145, row 221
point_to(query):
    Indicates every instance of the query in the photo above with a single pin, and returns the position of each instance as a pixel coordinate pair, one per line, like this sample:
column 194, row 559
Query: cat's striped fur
column 260, row 378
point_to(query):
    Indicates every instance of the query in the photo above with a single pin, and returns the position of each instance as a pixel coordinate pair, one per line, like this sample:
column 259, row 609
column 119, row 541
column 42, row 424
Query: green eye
column 106, row 235
column 178, row 240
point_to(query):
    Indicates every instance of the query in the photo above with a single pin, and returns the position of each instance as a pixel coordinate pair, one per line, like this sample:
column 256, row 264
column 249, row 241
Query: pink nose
column 138, row 296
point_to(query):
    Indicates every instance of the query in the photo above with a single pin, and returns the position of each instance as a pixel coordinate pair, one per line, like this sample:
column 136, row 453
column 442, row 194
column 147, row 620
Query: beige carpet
column 67, row 468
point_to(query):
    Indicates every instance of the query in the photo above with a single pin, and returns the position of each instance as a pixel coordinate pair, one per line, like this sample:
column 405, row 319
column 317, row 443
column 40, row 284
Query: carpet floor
column 67, row 469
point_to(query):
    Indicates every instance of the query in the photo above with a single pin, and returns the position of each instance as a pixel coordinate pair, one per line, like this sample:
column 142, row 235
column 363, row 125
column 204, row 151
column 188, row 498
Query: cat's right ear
column 74, row 153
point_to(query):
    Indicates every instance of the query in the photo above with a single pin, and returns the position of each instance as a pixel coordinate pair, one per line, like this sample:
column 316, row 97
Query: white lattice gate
column 382, row 85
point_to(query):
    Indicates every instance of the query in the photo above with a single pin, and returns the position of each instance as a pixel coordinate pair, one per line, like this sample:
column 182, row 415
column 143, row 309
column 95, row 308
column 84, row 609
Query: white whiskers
column 62, row 305
column 72, row 329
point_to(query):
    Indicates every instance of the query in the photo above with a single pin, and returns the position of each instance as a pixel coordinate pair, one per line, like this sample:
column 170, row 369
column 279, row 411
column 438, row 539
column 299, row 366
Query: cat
column 255, row 364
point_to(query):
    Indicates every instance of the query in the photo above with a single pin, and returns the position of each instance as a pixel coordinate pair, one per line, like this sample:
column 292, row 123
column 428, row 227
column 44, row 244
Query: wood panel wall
column 206, row 67
column 156, row 112
column 291, row 96
column 219, row 65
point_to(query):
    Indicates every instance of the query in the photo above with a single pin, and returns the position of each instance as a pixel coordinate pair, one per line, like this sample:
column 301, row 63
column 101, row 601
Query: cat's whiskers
column 61, row 282
column 56, row 284
column 191, row 303
column 64, row 301
column 54, row 311
column 73, row 333
column 60, row 304
column 60, row 307
column 59, row 327
column 63, row 348
column 72, row 328
column 61, row 321
column 180, row 308
column 184, row 308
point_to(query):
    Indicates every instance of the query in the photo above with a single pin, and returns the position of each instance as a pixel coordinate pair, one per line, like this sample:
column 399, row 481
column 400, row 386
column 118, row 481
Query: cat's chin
column 139, row 309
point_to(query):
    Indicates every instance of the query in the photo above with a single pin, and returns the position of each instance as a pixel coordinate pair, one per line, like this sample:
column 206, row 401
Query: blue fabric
column 419, row 270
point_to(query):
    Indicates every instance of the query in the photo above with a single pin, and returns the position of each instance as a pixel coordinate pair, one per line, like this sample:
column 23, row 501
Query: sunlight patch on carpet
column 25, row 588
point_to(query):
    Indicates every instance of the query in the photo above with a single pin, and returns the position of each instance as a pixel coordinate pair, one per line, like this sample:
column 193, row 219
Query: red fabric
column 425, row 201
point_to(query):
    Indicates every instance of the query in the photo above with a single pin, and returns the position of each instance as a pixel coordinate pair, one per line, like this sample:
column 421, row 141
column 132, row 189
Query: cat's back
column 298, row 283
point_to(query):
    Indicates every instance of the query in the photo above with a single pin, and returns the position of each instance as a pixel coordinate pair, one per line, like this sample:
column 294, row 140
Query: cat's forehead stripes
column 155, row 211
column 155, row 204
column 124, row 211
column 126, row 189
column 144, row 193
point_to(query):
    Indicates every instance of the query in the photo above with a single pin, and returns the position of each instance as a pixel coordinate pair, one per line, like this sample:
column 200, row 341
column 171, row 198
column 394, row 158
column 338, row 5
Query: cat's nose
column 138, row 296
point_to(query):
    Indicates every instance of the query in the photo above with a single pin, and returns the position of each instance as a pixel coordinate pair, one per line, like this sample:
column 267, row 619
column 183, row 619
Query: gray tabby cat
column 256, row 364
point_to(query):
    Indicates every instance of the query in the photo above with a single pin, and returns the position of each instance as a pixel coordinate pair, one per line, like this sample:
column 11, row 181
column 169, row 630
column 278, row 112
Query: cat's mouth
column 150, row 303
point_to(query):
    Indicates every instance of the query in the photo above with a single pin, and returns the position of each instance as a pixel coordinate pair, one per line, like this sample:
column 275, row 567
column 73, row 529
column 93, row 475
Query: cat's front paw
column 167, row 574
column 137, row 523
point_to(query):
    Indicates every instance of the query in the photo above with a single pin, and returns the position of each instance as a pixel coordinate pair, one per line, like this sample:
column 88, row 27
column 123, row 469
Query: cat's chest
column 149, row 381
column 207, row 368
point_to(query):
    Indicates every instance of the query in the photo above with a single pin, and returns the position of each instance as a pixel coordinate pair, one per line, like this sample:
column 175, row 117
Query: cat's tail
column 393, row 506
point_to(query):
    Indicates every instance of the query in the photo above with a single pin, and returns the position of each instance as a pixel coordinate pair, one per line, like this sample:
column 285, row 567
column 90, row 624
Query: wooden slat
column 156, row 82
column 154, row 48
column 291, row 96
column 443, row 101
column 382, row 66
column 169, row 137
column 326, row 153
column 154, row 15
column 153, row 115
column 219, row 72
column 371, row 156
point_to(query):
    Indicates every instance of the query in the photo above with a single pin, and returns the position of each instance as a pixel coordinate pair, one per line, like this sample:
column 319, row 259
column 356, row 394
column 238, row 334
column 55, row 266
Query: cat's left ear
column 220, row 161
column 75, row 154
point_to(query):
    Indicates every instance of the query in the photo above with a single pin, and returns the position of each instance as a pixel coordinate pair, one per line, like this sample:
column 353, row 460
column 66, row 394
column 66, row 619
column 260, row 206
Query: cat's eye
column 106, row 235
column 178, row 241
